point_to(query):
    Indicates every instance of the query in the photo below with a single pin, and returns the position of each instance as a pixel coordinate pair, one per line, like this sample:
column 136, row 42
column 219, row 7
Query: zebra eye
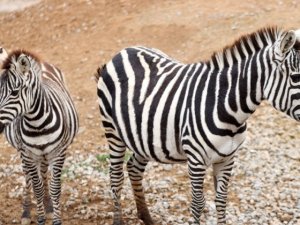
column 14, row 92
column 295, row 77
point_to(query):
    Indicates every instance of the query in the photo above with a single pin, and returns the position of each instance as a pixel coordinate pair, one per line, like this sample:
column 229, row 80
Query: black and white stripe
column 40, row 121
column 172, row 112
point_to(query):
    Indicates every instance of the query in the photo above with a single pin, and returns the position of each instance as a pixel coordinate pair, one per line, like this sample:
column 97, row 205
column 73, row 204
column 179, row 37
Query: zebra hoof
column 41, row 221
column 194, row 222
column 25, row 221
column 146, row 218
column 56, row 223
column 118, row 222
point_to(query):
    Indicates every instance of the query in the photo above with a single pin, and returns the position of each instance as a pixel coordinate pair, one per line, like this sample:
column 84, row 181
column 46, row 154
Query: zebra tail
column 97, row 75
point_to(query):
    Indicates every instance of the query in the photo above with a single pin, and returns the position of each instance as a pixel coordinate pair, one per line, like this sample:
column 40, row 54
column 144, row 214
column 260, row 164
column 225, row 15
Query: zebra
column 39, row 119
column 170, row 112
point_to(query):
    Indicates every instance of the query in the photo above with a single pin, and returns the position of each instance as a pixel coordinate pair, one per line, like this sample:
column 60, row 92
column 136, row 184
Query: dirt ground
column 80, row 35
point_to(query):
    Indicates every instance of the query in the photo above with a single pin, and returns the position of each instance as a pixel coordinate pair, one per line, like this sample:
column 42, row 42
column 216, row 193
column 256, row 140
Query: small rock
column 293, row 153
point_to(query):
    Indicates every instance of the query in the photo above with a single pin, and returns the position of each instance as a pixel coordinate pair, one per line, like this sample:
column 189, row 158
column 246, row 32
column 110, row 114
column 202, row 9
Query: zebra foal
column 171, row 112
column 39, row 120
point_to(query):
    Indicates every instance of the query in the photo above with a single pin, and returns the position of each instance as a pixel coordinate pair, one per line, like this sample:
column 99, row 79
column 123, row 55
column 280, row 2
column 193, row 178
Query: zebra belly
column 226, row 146
column 173, row 157
column 156, row 150
column 36, row 145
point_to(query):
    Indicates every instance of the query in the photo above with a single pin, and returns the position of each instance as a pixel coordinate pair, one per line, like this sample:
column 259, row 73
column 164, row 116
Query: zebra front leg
column 222, row 173
column 47, row 199
column 136, row 167
column 31, row 170
column 197, row 173
column 55, row 187
column 27, row 204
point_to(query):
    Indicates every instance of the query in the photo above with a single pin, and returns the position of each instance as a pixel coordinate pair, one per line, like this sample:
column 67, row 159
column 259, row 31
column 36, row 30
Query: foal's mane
column 267, row 36
column 15, row 54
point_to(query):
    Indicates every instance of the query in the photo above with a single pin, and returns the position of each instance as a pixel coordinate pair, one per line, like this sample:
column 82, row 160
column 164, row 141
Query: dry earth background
column 80, row 35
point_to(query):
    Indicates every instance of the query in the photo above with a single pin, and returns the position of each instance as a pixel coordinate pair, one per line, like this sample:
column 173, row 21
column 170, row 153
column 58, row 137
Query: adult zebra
column 40, row 121
column 171, row 112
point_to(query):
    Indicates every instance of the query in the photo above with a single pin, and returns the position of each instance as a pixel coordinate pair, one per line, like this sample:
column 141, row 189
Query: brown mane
column 97, row 75
column 267, row 35
column 15, row 54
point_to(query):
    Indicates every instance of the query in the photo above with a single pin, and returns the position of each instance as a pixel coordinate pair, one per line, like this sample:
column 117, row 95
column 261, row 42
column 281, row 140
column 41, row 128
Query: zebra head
column 282, row 87
column 18, row 78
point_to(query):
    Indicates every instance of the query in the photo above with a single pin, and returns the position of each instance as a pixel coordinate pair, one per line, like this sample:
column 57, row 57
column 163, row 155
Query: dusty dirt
column 80, row 35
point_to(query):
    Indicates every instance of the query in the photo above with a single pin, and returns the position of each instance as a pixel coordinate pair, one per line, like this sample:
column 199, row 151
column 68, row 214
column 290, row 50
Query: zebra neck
column 233, row 93
column 41, row 110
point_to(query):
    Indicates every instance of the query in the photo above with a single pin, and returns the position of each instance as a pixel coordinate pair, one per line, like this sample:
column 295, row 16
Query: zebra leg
column 136, row 167
column 116, row 173
column 197, row 173
column 32, row 171
column 55, row 187
column 222, row 173
column 47, row 200
column 26, row 214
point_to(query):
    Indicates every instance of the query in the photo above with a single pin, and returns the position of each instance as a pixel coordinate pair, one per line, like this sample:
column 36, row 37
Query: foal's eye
column 295, row 77
column 14, row 92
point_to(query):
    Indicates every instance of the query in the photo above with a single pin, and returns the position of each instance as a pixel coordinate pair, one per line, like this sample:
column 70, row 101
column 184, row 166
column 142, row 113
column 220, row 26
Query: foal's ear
column 288, row 41
column 3, row 54
column 24, row 64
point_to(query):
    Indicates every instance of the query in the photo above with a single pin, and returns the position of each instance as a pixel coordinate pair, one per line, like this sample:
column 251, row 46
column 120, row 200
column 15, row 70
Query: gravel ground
column 80, row 35
column 264, row 188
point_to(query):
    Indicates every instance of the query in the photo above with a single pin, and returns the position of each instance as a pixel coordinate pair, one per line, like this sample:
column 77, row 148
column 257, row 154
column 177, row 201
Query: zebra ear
column 288, row 41
column 3, row 54
column 24, row 64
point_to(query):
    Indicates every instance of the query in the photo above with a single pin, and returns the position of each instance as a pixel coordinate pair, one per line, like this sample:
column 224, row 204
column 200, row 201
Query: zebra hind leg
column 197, row 173
column 136, row 167
column 116, row 173
column 27, row 204
column 222, row 173
column 55, row 186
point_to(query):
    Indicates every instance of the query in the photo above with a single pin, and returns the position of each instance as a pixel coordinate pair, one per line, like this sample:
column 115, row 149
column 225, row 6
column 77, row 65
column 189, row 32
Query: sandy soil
column 80, row 35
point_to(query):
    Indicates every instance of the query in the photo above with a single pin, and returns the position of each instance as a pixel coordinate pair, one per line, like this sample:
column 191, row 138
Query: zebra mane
column 97, row 75
column 15, row 54
column 266, row 36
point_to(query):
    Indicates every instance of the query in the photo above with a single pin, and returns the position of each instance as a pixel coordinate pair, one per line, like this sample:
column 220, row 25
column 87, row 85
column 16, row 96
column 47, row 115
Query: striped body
column 154, row 111
column 52, row 126
column 170, row 112
column 40, row 121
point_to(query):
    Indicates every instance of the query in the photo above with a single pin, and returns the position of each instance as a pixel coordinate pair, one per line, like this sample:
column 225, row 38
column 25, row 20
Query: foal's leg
column 55, row 186
column 136, row 167
column 47, row 200
column 32, row 171
column 26, row 215
column 27, row 203
column 197, row 174
column 222, row 173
